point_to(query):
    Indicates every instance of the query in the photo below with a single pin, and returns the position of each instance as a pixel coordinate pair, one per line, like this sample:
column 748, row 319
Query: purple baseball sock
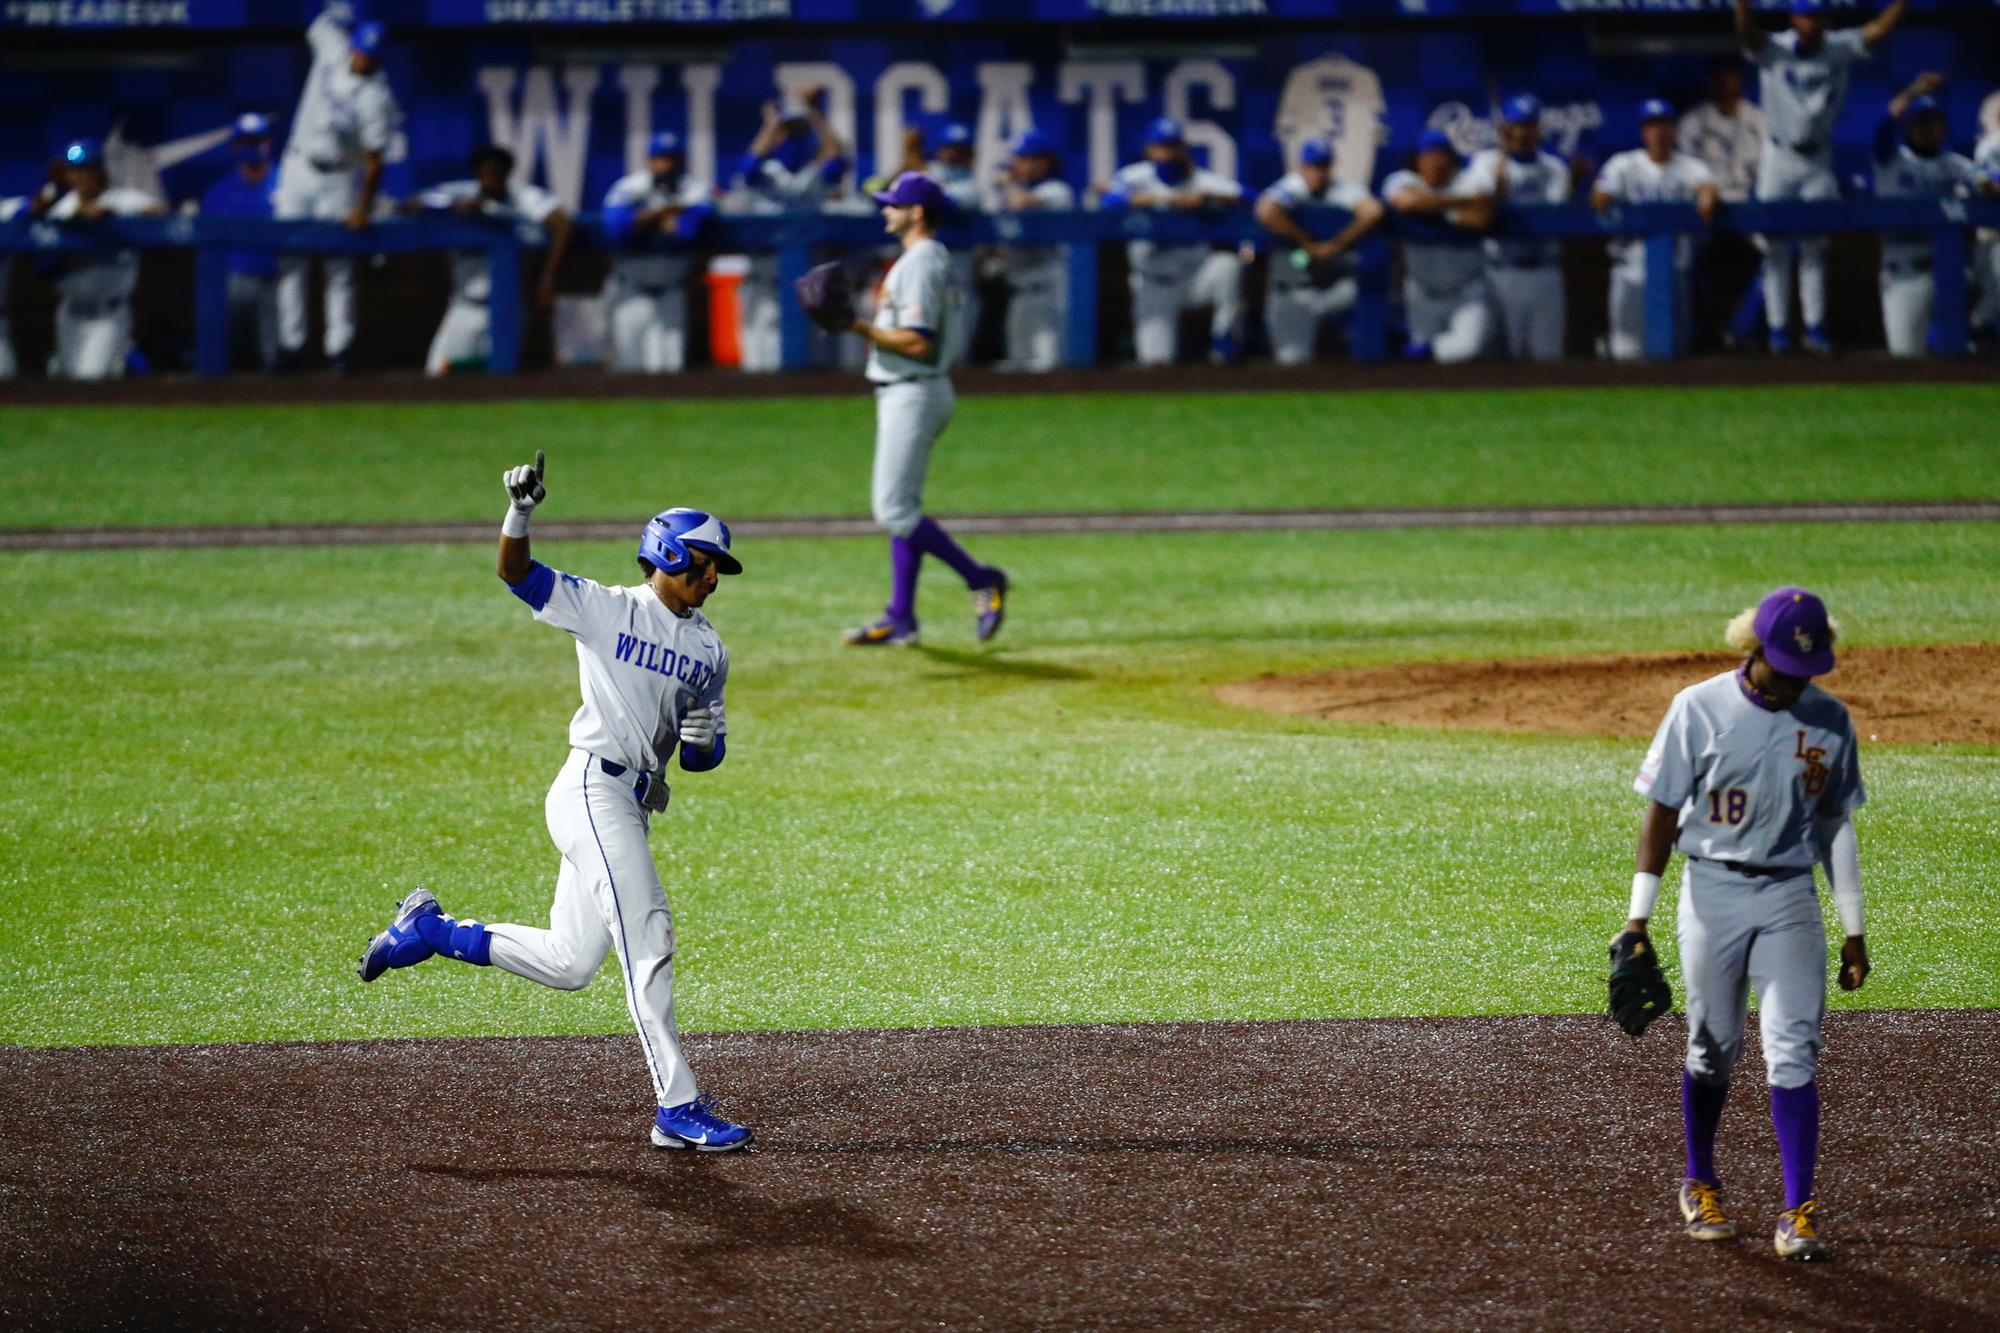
column 1795, row 1116
column 930, row 538
column 1701, row 1113
column 904, row 561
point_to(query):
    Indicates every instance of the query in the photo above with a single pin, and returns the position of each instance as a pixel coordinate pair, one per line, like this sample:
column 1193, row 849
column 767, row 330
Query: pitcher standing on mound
column 652, row 670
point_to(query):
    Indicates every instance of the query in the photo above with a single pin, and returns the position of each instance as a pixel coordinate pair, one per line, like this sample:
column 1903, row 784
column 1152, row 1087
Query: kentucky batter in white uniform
column 1166, row 279
column 1753, row 776
column 647, row 291
column 1446, row 297
column 345, row 119
column 1802, row 84
column 1638, row 176
column 1912, row 161
column 652, row 671
column 1526, row 274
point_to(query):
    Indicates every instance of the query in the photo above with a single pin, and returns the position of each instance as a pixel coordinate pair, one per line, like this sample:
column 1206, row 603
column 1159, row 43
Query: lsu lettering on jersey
column 1753, row 785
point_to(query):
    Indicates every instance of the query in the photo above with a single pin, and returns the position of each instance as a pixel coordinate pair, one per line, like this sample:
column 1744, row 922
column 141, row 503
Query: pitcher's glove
column 1639, row 994
column 827, row 294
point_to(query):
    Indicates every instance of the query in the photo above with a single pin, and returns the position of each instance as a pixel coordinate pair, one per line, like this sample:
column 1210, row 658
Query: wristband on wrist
column 1645, row 891
column 516, row 524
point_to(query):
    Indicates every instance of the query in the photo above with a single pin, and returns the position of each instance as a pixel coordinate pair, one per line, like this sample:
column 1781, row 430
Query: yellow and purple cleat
column 989, row 605
column 888, row 631
column 1798, row 1238
column 1701, row 1207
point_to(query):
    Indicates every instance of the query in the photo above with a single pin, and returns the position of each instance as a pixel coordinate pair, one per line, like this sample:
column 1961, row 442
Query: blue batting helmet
column 664, row 545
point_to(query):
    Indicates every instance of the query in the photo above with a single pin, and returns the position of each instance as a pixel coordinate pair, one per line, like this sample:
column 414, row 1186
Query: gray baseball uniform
column 646, row 290
column 94, row 316
column 1526, row 273
column 913, row 399
column 1759, row 793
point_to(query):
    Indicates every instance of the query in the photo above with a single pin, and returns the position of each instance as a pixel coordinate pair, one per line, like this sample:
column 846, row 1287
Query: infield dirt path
column 1489, row 1172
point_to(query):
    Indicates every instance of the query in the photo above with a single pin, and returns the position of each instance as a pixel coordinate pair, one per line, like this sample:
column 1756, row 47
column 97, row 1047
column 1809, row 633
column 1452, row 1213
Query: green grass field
column 222, row 767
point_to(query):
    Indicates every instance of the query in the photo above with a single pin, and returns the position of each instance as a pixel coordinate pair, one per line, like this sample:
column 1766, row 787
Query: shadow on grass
column 997, row 665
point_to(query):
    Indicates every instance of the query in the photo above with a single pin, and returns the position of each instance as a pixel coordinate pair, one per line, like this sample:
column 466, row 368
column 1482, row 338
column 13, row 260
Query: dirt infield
column 1331, row 376
column 1936, row 692
column 1489, row 1172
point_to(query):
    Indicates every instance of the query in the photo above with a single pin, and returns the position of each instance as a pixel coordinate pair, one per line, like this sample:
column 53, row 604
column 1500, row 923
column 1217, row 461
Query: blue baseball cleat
column 884, row 631
column 1781, row 342
column 399, row 945
column 696, row 1125
column 1817, row 342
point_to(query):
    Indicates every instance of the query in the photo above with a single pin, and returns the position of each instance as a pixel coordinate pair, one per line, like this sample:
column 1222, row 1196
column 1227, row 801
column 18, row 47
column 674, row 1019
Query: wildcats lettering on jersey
column 650, row 656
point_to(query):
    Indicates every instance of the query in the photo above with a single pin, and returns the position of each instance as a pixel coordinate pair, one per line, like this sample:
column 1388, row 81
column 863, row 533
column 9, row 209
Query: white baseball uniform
column 1906, row 279
column 8, row 366
column 1731, row 145
column 913, row 399
column 466, row 331
column 640, row 668
column 342, row 117
column 767, row 187
column 1759, row 793
column 1038, row 310
column 1295, row 303
column 94, row 312
column 1986, row 245
column 1446, row 296
column 1526, row 274
column 646, row 291
column 962, row 188
column 1166, row 279
column 1802, row 96
column 1635, row 178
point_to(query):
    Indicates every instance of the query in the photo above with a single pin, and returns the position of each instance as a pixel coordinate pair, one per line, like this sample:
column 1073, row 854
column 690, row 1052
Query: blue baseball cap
column 369, row 38
column 84, row 153
column 1655, row 108
column 1034, row 143
column 1435, row 141
column 954, row 133
column 1808, row 6
column 1521, row 109
column 250, row 125
column 664, row 143
column 1792, row 625
column 1925, row 105
column 912, row 189
column 1164, row 130
column 1316, row 153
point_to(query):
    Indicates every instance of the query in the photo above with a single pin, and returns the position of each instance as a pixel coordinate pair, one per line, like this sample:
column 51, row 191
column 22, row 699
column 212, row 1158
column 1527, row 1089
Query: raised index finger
column 538, row 465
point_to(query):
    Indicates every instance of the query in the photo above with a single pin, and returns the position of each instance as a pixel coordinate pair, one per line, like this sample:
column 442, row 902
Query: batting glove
column 698, row 727
column 524, row 492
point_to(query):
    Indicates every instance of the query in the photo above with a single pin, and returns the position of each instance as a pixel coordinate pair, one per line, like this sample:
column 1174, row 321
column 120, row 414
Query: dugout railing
column 800, row 240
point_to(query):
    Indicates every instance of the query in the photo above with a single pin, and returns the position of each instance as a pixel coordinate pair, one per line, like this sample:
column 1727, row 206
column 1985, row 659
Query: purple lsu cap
column 1791, row 624
column 1316, row 153
column 911, row 189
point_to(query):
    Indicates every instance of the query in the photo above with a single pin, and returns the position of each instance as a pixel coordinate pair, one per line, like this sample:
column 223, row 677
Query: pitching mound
column 1938, row 692
column 1495, row 1173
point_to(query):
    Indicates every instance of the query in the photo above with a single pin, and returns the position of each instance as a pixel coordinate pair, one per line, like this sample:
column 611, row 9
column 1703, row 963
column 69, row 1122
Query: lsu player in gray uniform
column 1166, row 279
column 647, row 290
column 1312, row 277
column 466, row 331
column 1526, row 274
column 1038, row 309
column 345, row 119
column 1912, row 161
column 909, row 362
column 94, row 313
column 1446, row 297
column 1753, row 776
column 1658, row 173
column 1803, row 82
column 652, row 671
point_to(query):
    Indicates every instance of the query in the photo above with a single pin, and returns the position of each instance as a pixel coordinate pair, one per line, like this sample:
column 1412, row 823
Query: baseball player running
column 1166, row 279
column 1039, row 307
column 1753, row 776
column 94, row 314
column 1445, row 292
column 1312, row 277
column 909, row 362
column 647, row 292
column 1658, row 173
column 344, row 121
column 466, row 331
column 1803, row 82
column 1911, row 159
column 1526, row 274
column 652, row 671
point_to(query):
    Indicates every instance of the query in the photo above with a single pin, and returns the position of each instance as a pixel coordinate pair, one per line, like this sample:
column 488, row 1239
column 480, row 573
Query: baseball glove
column 827, row 294
column 1639, row 993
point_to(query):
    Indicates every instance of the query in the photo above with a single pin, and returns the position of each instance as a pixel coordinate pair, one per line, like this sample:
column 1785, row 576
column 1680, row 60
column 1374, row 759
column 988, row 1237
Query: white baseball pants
column 1036, row 315
column 1533, row 319
column 909, row 417
column 608, row 898
column 465, row 333
column 1166, row 285
column 1457, row 325
column 1906, row 308
column 304, row 191
column 91, row 339
column 1628, row 314
column 1294, row 310
column 757, row 315
column 648, row 330
column 1783, row 174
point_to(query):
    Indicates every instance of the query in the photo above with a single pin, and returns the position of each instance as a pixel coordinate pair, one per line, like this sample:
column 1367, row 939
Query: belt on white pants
column 648, row 787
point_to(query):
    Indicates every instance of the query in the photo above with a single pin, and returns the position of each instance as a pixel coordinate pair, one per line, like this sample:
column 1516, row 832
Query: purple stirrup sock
column 1701, row 1113
column 932, row 539
column 1795, row 1116
column 904, row 561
